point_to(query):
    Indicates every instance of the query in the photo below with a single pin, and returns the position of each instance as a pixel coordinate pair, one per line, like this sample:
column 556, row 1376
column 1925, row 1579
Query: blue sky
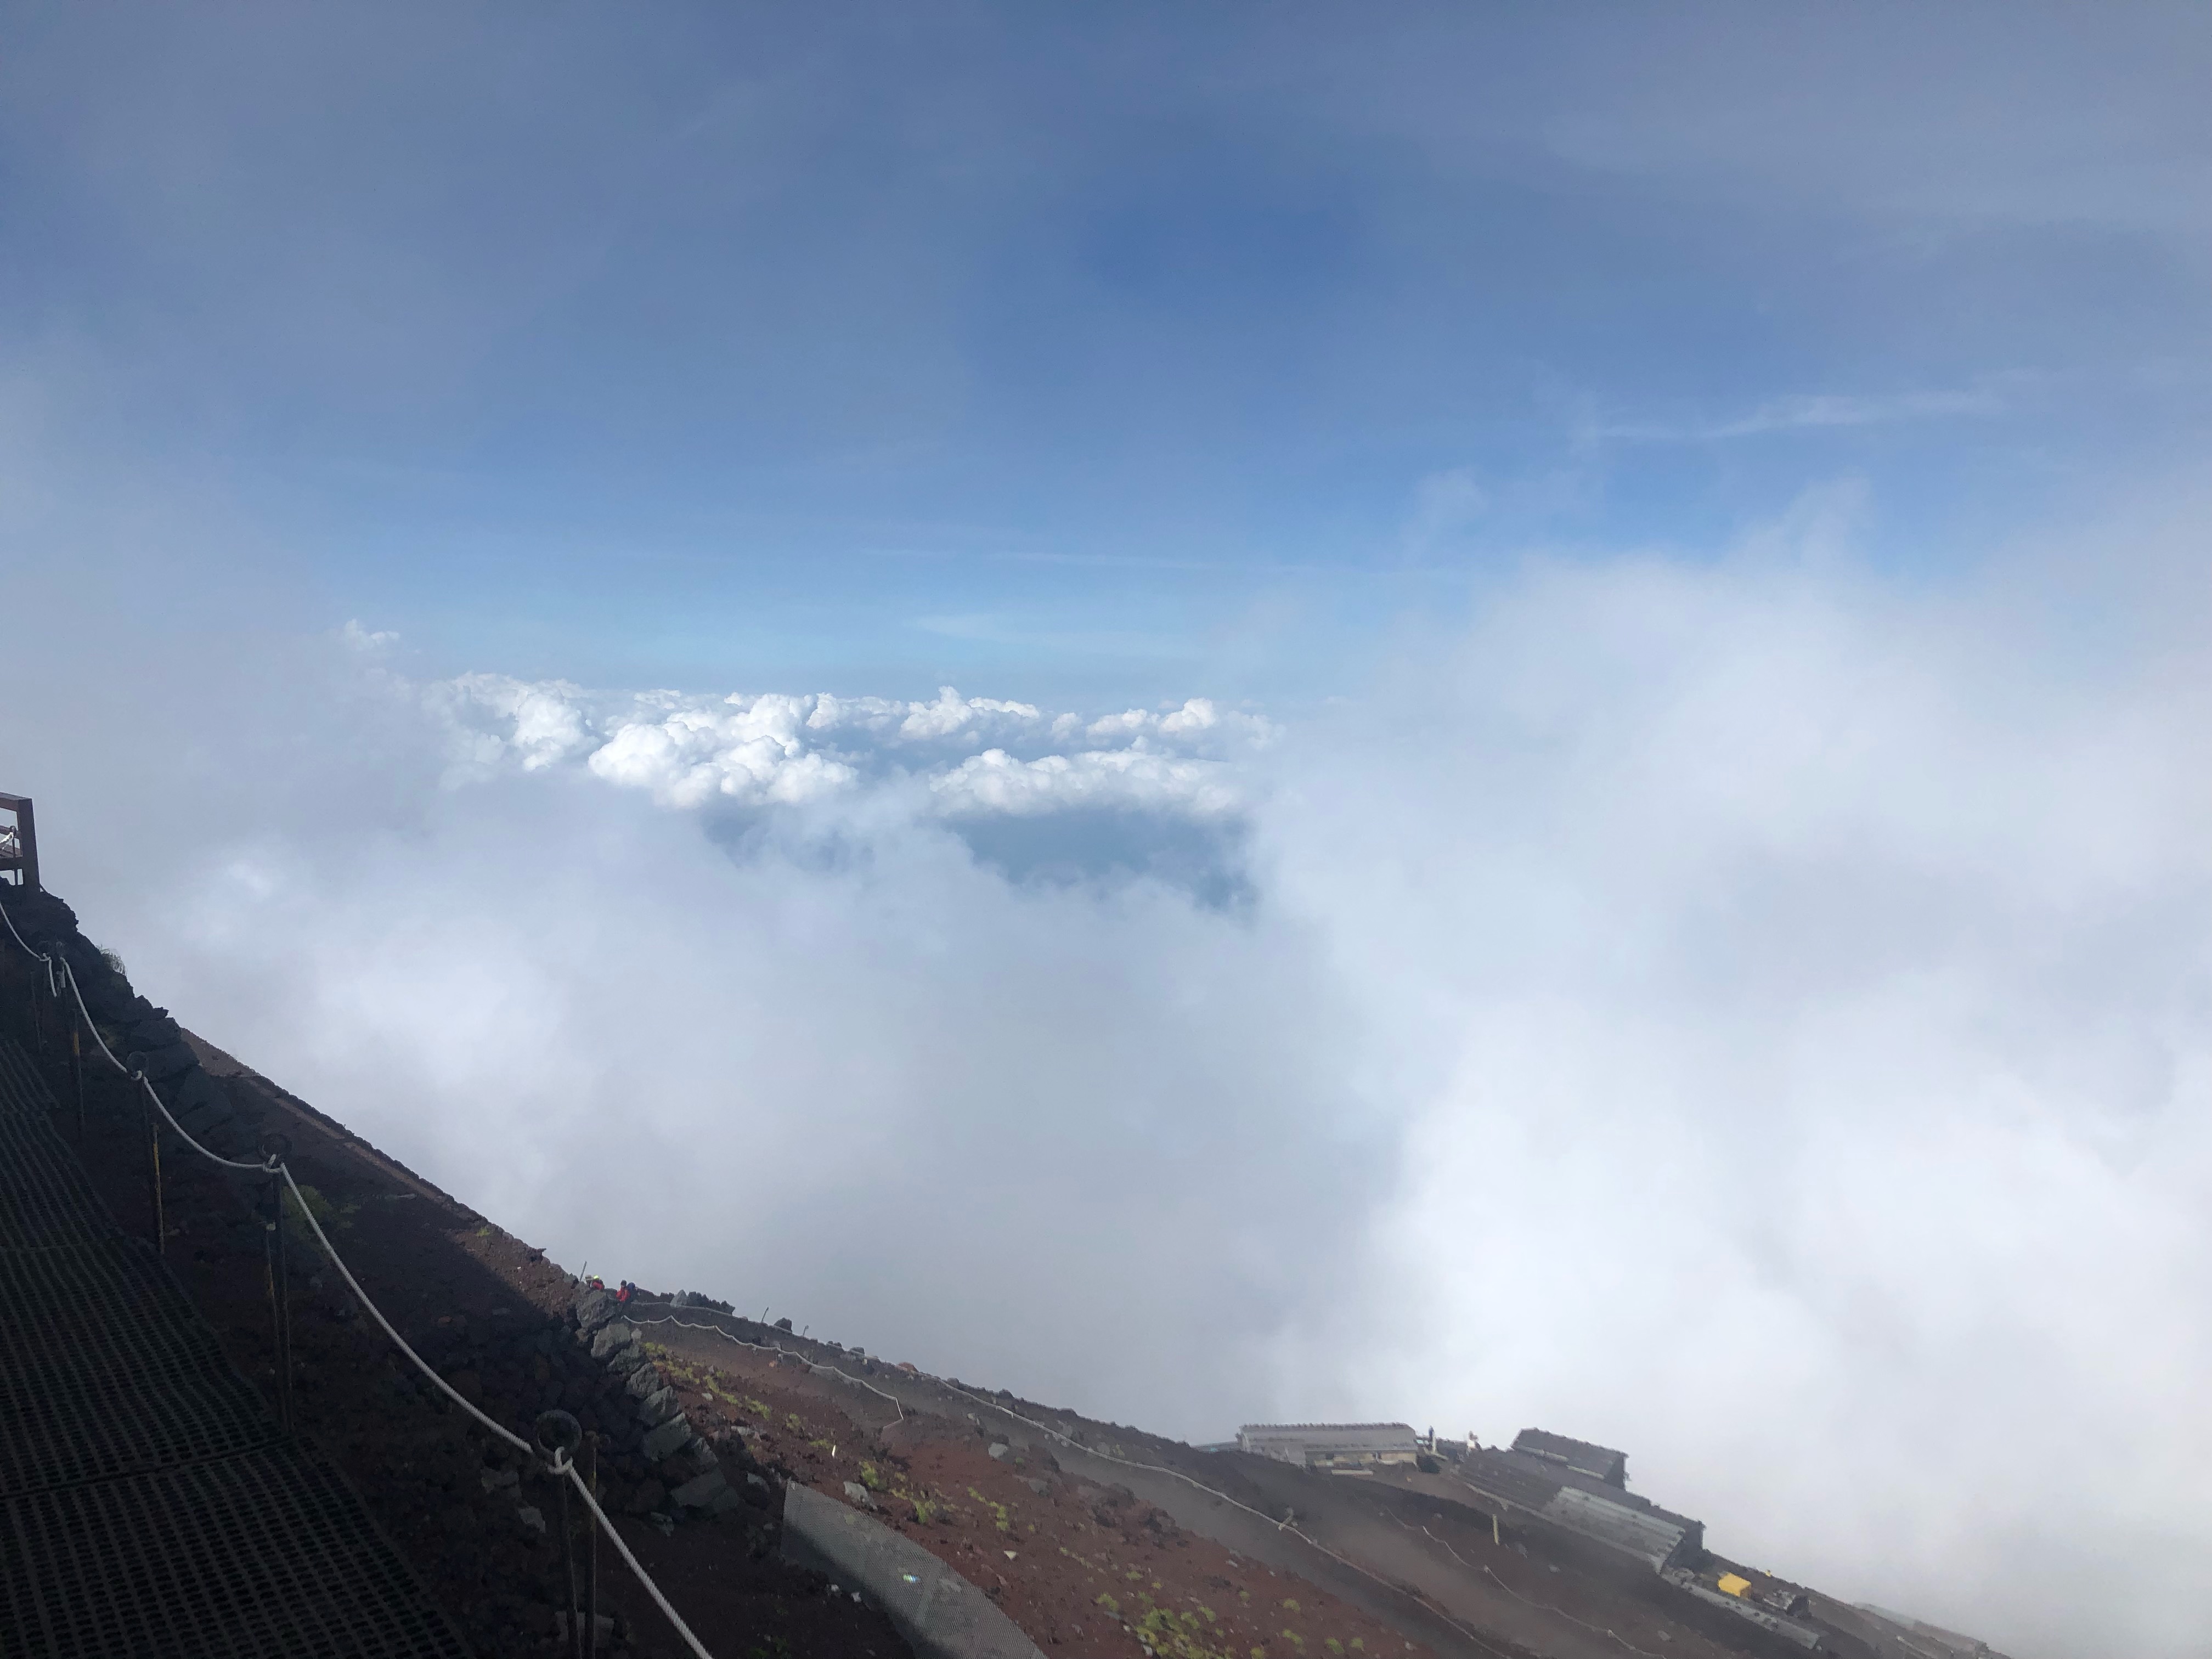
column 1119, row 353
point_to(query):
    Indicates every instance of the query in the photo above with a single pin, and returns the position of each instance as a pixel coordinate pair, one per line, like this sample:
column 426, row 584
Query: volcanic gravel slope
column 1184, row 1544
column 1083, row 1568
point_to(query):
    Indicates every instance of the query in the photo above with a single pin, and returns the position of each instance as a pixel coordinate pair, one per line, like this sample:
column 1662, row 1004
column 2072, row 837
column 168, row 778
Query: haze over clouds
column 1756, row 977
column 1221, row 716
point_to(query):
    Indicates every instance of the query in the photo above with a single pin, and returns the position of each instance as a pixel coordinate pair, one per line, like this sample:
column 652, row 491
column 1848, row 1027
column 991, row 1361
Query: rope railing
column 555, row 1459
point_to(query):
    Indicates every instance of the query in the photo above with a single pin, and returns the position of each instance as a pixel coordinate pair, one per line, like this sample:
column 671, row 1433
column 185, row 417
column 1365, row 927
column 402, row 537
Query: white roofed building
column 1330, row 1445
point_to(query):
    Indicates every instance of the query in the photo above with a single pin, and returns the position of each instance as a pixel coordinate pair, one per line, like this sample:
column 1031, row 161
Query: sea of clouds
column 1753, row 1012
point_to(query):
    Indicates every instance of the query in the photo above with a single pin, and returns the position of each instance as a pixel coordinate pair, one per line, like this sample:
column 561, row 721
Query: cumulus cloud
column 954, row 756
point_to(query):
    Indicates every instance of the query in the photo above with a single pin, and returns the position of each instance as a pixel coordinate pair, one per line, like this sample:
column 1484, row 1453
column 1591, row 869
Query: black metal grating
column 149, row 1507
column 22, row 1091
column 266, row 1553
column 45, row 1200
column 108, row 1367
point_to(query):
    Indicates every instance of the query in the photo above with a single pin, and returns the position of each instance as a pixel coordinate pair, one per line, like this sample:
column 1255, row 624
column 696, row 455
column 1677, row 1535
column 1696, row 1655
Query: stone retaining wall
column 659, row 1431
column 144, row 1037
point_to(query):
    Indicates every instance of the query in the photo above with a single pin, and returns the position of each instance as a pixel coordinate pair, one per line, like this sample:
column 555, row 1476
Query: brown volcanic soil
column 1395, row 1561
column 1083, row 1568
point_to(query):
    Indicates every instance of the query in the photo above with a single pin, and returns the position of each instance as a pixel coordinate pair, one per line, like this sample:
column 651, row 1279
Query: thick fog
column 1747, row 1009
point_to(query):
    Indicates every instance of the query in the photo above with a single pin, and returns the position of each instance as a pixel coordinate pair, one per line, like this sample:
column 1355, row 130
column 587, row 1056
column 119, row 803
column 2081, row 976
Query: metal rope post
column 591, row 1575
column 76, row 1075
column 558, row 1434
column 153, row 1161
column 275, row 1149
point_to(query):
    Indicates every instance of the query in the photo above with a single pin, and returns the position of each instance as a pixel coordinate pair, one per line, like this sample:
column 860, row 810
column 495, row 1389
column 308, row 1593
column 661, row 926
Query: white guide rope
column 563, row 1466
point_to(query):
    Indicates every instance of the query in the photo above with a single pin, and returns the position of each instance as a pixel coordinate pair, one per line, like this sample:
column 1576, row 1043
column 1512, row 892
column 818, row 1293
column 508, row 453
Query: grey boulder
column 667, row 1439
column 707, row 1491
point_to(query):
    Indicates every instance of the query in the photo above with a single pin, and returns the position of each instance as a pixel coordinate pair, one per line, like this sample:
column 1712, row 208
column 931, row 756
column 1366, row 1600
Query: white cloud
column 366, row 641
column 973, row 754
column 1811, row 412
column 1118, row 779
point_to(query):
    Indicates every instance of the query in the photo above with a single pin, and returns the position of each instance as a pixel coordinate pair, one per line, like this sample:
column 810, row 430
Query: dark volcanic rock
column 163, row 1062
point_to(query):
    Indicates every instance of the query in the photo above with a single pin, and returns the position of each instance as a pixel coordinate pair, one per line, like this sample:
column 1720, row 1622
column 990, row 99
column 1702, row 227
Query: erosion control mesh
column 22, row 1091
column 45, row 1199
column 266, row 1552
column 148, row 1503
column 105, row 1368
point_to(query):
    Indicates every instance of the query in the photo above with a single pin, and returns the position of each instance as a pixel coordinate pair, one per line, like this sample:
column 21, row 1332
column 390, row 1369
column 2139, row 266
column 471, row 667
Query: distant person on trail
column 596, row 1283
column 627, row 1291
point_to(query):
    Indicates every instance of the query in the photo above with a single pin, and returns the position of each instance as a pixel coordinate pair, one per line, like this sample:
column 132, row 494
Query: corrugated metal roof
column 1625, row 1521
column 1640, row 1533
column 1603, row 1462
column 1517, row 1479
